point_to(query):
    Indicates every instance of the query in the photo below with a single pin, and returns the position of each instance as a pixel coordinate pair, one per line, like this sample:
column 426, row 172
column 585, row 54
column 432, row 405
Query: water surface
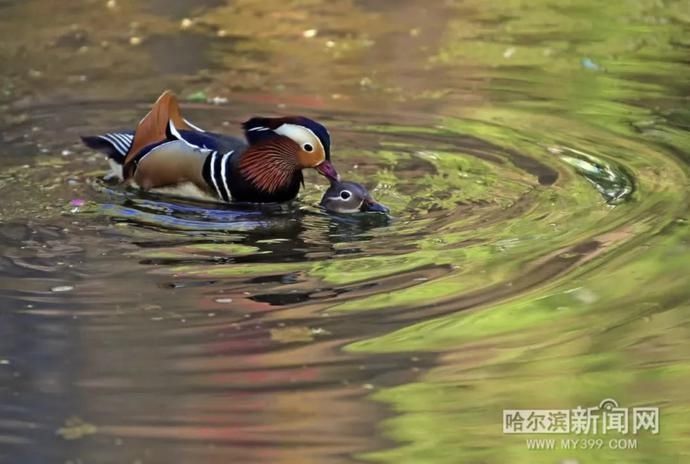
column 535, row 158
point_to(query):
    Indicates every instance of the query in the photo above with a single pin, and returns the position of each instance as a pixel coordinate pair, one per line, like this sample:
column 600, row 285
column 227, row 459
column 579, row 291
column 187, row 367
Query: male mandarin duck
column 168, row 153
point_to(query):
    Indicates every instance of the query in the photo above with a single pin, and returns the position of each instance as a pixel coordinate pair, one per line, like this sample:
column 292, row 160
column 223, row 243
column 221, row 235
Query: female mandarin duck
column 168, row 153
column 350, row 197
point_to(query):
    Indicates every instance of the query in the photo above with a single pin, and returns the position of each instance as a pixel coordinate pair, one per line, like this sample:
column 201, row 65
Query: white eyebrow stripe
column 297, row 133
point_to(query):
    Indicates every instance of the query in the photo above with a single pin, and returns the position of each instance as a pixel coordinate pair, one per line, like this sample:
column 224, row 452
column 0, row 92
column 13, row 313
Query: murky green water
column 536, row 159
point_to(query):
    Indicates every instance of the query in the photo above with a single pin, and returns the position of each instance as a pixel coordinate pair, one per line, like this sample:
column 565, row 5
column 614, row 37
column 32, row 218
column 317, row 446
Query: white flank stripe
column 258, row 129
column 213, row 173
column 223, row 165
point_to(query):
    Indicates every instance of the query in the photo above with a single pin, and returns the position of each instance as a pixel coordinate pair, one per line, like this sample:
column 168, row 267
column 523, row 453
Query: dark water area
column 535, row 157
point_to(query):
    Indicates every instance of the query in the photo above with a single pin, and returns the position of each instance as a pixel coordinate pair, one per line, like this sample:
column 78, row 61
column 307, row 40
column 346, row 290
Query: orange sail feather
column 152, row 128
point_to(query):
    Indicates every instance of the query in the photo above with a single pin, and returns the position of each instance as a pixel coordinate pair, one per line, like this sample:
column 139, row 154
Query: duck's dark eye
column 308, row 147
column 345, row 194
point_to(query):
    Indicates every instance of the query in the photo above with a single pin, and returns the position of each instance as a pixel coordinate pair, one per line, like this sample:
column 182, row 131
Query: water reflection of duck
column 168, row 153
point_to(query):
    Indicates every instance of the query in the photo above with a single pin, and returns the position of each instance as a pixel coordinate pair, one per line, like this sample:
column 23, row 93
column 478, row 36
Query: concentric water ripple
column 258, row 332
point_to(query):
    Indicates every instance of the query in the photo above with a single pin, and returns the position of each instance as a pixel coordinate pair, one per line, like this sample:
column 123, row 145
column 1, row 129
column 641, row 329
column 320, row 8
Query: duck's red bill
column 328, row 170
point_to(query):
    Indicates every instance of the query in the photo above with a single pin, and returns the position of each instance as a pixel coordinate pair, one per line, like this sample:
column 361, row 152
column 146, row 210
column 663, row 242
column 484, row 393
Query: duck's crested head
column 312, row 141
column 350, row 197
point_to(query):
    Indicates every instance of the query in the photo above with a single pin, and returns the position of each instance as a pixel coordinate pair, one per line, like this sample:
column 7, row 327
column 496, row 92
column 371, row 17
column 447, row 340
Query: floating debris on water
column 150, row 307
column 218, row 100
column 509, row 52
column 589, row 64
column 76, row 428
column 296, row 334
column 292, row 334
column 309, row 33
column 199, row 96
column 62, row 288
